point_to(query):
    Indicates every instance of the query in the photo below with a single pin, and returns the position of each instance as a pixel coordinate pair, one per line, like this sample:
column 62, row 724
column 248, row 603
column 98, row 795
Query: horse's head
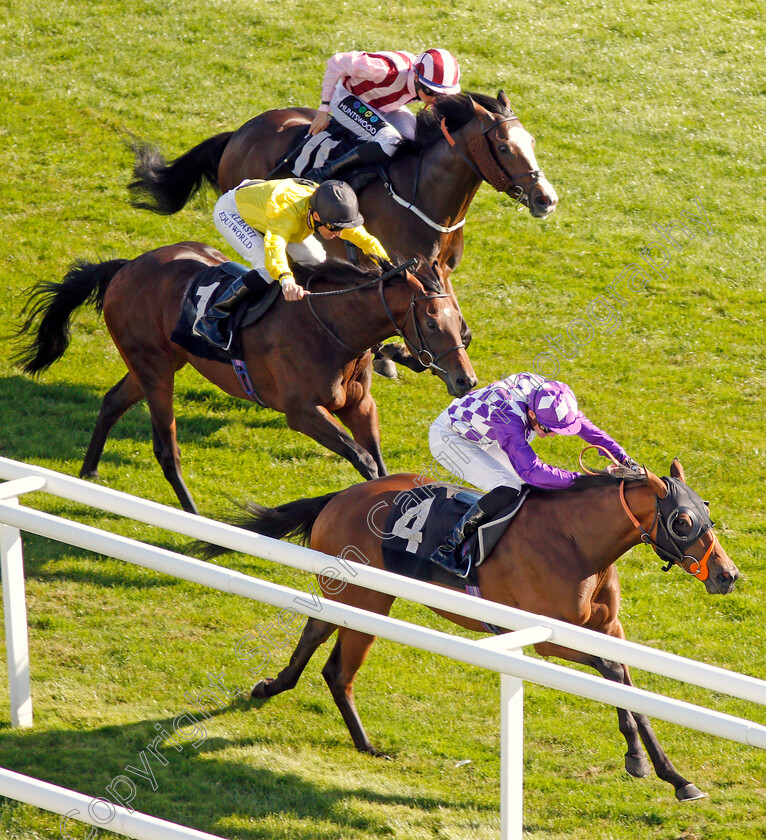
column 503, row 152
column 431, row 330
column 684, row 533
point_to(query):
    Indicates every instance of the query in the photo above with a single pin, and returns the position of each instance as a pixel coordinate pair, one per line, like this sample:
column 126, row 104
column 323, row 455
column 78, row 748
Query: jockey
column 484, row 437
column 367, row 94
column 265, row 221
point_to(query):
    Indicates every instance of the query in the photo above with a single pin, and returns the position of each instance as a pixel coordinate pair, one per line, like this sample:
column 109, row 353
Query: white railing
column 501, row 653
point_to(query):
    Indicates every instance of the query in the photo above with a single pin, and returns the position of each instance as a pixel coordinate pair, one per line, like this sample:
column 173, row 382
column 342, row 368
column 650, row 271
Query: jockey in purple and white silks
column 484, row 436
column 367, row 93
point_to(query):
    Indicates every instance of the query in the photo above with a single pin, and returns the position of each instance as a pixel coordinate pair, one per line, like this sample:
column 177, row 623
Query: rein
column 423, row 351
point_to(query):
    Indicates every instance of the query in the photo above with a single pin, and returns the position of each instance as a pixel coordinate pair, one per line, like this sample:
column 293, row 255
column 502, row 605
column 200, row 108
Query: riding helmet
column 336, row 203
column 437, row 69
column 555, row 407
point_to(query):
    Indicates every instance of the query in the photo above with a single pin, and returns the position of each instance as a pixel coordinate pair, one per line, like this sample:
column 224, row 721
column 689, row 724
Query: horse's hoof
column 384, row 367
column 92, row 474
column 377, row 754
column 637, row 766
column 689, row 793
column 259, row 689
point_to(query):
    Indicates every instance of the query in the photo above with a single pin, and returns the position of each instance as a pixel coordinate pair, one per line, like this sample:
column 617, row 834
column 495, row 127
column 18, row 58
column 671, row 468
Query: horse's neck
column 361, row 319
column 599, row 527
column 446, row 184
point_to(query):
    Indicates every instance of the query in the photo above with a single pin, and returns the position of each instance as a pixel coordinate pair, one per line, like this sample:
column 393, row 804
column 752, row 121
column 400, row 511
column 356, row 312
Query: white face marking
column 447, row 311
column 522, row 140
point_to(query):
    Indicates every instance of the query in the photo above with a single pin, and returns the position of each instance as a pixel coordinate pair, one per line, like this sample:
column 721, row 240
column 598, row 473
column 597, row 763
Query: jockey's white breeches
column 485, row 467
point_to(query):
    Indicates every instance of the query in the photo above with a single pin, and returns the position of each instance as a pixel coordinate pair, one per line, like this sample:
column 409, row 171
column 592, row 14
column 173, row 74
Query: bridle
column 666, row 543
column 487, row 166
column 669, row 545
column 422, row 349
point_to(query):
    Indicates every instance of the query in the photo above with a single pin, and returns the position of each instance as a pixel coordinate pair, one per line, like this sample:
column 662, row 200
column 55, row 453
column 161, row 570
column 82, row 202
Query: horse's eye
column 431, row 324
column 503, row 147
column 682, row 525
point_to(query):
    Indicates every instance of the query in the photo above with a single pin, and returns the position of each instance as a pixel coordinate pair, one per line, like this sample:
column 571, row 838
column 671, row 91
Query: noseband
column 488, row 167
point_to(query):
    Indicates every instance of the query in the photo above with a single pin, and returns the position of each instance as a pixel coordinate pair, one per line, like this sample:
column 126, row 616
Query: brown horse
column 463, row 141
column 557, row 559
column 308, row 359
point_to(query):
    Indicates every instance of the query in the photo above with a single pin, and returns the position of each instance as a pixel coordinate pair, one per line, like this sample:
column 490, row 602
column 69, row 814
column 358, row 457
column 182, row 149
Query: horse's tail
column 293, row 519
column 52, row 304
column 166, row 187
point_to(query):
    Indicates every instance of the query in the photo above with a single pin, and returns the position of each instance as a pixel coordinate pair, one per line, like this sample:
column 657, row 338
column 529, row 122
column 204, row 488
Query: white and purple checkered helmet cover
column 555, row 406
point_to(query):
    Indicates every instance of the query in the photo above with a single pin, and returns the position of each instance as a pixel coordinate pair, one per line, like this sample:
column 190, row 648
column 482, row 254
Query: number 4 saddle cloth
column 422, row 518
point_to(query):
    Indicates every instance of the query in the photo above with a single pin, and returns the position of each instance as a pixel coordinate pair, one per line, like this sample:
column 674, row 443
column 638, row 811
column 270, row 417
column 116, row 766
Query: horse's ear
column 657, row 484
column 677, row 470
column 504, row 100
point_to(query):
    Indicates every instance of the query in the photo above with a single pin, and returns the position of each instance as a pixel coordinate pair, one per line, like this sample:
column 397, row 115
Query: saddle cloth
column 203, row 291
column 320, row 148
column 421, row 518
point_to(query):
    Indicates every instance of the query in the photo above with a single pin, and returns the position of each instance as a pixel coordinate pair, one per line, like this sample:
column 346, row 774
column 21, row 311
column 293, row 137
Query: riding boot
column 208, row 326
column 446, row 554
column 362, row 155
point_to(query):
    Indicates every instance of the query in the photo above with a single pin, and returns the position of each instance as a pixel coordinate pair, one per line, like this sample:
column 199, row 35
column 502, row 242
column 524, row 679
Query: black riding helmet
column 336, row 204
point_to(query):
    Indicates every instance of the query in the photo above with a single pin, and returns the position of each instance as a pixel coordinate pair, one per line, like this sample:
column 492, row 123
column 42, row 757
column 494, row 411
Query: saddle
column 421, row 518
column 202, row 292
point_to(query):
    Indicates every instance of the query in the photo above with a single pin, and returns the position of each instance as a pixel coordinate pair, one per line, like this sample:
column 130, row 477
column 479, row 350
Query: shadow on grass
column 193, row 786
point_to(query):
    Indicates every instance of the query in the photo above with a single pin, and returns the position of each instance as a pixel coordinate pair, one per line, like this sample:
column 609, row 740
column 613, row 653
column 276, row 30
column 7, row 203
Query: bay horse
column 308, row 359
column 461, row 142
column 557, row 558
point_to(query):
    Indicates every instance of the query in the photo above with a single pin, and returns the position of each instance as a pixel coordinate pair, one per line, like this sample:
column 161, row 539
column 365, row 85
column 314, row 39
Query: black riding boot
column 362, row 155
column 446, row 554
column 209, row 325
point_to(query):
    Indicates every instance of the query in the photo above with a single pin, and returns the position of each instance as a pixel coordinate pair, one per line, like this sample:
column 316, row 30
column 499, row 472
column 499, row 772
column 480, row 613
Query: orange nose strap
column 699, row 567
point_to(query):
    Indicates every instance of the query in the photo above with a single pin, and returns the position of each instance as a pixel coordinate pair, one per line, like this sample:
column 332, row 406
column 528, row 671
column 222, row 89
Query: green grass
column 636, row 110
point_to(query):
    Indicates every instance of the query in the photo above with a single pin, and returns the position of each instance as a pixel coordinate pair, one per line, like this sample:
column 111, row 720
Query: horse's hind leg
column 160, row 399
column 634, row 726
column 314, row 634
column 345, row 660
column 126, row 393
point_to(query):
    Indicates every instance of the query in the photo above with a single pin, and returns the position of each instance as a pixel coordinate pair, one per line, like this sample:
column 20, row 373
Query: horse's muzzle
column 722, row 582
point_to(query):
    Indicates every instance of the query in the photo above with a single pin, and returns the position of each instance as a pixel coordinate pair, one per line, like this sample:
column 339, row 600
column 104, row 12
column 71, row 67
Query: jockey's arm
column 590, row 433
column 365, row 241
column 531, row 470
column 275, row 247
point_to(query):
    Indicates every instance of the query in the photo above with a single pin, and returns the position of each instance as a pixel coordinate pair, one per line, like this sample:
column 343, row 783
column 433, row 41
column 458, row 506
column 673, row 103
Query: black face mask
column 676, row 534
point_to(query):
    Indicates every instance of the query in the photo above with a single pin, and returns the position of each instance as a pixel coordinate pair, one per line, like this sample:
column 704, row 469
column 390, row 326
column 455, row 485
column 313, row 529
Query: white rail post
column 511, row 757
column 15, row 605
column 512, row 729
column 15, row 613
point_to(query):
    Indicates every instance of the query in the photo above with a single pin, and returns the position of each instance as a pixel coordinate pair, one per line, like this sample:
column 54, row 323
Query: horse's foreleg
column 314, row 634
column 126, row 393
column 634, row 726
column 316, row 422
column 362, row 420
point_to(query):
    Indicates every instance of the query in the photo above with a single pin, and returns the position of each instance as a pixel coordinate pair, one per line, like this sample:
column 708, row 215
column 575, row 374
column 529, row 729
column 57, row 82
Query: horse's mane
column 340, row 273
column 599, row 479
column 456, row 111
